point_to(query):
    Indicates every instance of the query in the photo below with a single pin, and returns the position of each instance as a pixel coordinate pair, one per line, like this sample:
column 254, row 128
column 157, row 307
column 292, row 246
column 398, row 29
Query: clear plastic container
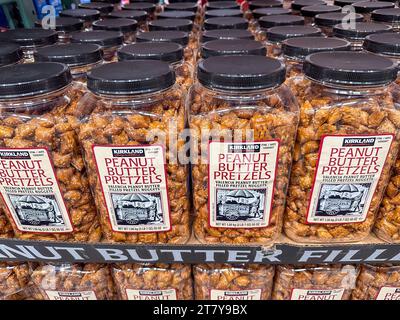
column 153, row 281
column 51, row 200
column 246, row 104
column 387, row 16
column 326, row 21
column 231, row 48
column 233, row 282
column 103, row 7
column 86, row 15
column 10, row 54
column 14, row 281
column 367, row 7
column 378, row 282
column 309, row 12
column 226, row 23
column 72, row 282
column 128, row 27
column 139, row 185
column 266, row 12
column 266, row 22
column 64, row 26
column 140, row 16
column 149, row 7
column 298, row 4
column 347, row 116
column 314, row 282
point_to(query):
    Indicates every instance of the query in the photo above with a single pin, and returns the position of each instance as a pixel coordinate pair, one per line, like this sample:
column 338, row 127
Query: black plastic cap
column 256, row 4
column 227, row 34
column 150, row 8
column 30, row 37
column 31, row 79
column 65, row 24
column 360, row 31
column 138, row 15
column 369, row 6
column 350, row 68
column 182, row 6
column 105, row 39
column 258, row 13
column 332, row 19
column 223, row 13
column 72, row 54
column 103, row 7
column 82, row 14
column 298, row 4
column 343, row 3
column 130, row 77
column 215, row 5
column 280, row 20
column 185, row 25
column 121, row 25
column 383, row 43
column 166, row 51
column 232, row 47
column 300, row 48
column 179, row 37
column 177, row 15
column 226, row 23
column 278, row 34
column 240, row 73
column 386, row 15
column 10, row 53
column 312, row 11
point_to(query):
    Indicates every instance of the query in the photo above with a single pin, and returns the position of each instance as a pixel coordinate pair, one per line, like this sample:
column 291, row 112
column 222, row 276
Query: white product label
column 241, row 183
column 30, row 190
column 254, row 294
column 310, row 294
column 71, row 295
column 134, row 184
column 168, row 294
column 389, row 293
column 348, row 171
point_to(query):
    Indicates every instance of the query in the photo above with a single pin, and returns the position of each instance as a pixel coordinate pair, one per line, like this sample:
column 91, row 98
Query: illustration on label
column 168, row 294
column 389, row 293
column 253, row 294
column 71, row 295
column 134, row 185
column 241, row 183
column 311, row 294
column 348, row 171
column 30, row 191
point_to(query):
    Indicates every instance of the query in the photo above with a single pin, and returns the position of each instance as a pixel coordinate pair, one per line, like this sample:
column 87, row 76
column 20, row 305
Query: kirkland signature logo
column 359, row 142
column 24, row 155
column 128, row 152
column 243, row 148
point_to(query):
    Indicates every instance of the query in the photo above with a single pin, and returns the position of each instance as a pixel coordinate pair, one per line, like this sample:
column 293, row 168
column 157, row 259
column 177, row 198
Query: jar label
column 71, row 295
column 389, row 293
column 253, row 294
column 167, row 294
column 30, row 190
column 311, row 294
column 348, row 171
column 134, row 184
column 241, row 183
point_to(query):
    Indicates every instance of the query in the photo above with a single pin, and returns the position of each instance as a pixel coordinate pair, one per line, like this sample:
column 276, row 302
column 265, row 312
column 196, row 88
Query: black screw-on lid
column 179, row 37
column 30, row 37
column 83, row 14
column 64, row 24
column 240, row 73
column 222, row 5
column 386, row 15
column 223, row 13
column 141, row 6
column 10, row 53
column 343, row 3
column 122, row 25
column 185, row 25
column 258, row 13
column 360, row 30
column 280, row 20
column 131, row 77
column 72, row 54
column 166, row 51
column 299, row 48
column 334, row 18
column 31, row 79
column 383, row 43
column 369, row 6
column 232, row 47
column 138, row 15
column 103, row 7
column 350, row 68
column 226, row 23
column 312, row 11
column 182, row 6
column 256, row 4
column 227, row 34
column 105, row 39
column 298, row 4
column 177, row 15
column 278, row 34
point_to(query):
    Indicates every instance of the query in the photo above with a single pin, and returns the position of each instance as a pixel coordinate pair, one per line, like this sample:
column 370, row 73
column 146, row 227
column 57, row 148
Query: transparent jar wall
column 211, row 281
column 129, row 37
column 308, row 20
column 138, row 120
column 110, row 54
column 264, row 115
column 292, row 281
column 14, row 281
column 274, row 49
column 184, row 74
column 48, row 121
column 174, row 281
column 356, row 45
column 79, row 72
column 64, row 37
column 328, row 31
column 330, row 111
column 190, row 54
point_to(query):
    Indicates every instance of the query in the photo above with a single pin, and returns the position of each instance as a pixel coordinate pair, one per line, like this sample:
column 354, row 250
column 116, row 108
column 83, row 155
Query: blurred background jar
column 86, row 15
column 260, row 4
column 10, row 54
column 309, row 12
column 208, row 35
column 65, row 27
column 140, row 17
column 128, row 27
column 149, row 7
column 265, row 12
column 298, row 4
column 103, row 7
column 266, row 22
column 326, row 21
column 367, row 7
column 387, row 16
column 226, row 23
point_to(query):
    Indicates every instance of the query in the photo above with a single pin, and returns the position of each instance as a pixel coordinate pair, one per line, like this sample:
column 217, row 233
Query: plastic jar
column 245, row 101
column 10, row 54
column 37, row 124
column 265, row 12
column 29, row 40
column 153, row 281
column 314, row 282
column 14, row 281
column 347, row 108
column 215, row 5
column 326, row 21
column 309, row 12
column 103, row 7
column 267, row 22
column 387, row 16
column 233, row 282
column 131, row 106
column 64, row 26
column 109, row 41
column 86, row 15
column 128, row 27
column 367, row 7
column 358, row 32
column 232, row 48
column 148, row 7
column 226, row 23
column 141, row 17
column 298, row 4
column 378, row 282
